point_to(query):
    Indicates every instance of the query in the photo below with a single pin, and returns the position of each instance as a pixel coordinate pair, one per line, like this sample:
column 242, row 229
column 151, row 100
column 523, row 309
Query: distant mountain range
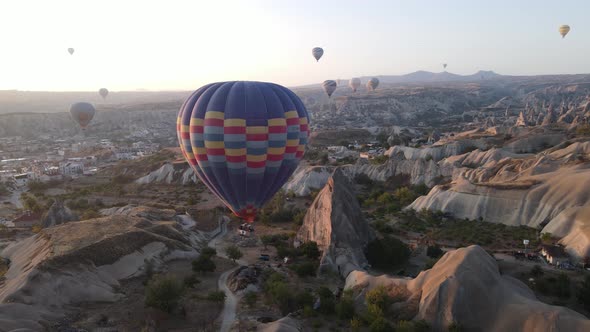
column 426, row 76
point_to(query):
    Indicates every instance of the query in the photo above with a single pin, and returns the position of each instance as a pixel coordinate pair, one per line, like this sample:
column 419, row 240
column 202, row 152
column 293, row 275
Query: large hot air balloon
column 82, row 113
column 444, row 66
column 329, row 87
column 372, row 84
column 317, row 53
column 103, row 92
column 354, row 83
column 71, row 51
column 244, row 140
column 563, row 30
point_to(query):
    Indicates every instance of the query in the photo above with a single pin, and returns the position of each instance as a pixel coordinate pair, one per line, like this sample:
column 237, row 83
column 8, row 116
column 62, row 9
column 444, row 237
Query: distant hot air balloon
column 563, row 30
column 82, row 113
column 444, row 66
column 329, row 87
column 354, row 83
column 243, row 140
column 317, row 53
column 71, row 51
column 103, row 92
column 372, row 84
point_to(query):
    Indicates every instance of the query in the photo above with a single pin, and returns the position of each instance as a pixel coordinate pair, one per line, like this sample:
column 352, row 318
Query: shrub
column 90, row 214
column 380, row 325
column 536, row 271
column 208, row 252
column 216, row 296
column 583, row 293
column 378, row 296
column 327, row 300
column 203, row 264
column 387, row 253
column 434, row 251
column 345, row 308
column 310, row 250
column 304, row 299
column 233, row 252
column 455, row 327
column 191, row 281
column 36, row 228
column 356, row 324
column 304, row 269
column 250, row 298
column 163, row 293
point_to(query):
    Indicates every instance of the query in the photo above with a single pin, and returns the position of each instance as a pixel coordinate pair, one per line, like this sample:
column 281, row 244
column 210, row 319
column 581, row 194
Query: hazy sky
column 165, row 45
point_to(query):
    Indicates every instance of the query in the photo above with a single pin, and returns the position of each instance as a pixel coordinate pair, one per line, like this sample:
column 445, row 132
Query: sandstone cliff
column 465, row 286
column 335, row 222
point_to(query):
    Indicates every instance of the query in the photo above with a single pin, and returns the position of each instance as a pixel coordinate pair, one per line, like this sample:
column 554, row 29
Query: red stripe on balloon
column 256, row 164
column 213, row 122
column 277, row 129
column 303, row 127
column 234, row 130
column 196, row 129
column 274, row 157
column 185, row 135
column 202, row 157
column 292, row 121
column 216, row 152
column 256, row 137
column 291, row 149
column 235, row 159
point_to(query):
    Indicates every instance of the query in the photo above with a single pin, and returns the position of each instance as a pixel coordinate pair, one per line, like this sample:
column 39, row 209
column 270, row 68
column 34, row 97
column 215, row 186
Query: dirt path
column 228, row 315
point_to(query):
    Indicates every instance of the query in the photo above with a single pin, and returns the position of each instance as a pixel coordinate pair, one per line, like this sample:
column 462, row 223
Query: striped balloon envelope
column 244, row 140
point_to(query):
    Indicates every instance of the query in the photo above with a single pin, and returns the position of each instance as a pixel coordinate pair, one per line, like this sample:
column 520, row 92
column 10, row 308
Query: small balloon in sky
column 71, row 51
column 317, row 53
column 563, row 30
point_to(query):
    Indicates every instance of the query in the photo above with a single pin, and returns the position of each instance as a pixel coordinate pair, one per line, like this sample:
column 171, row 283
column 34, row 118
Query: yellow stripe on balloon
column 256, row 130
column 214, row 144
column 302, row 120
column 196, row 122
column 234, row 122
column 214, row 115
column 275, row 150
column 235, row 152
column 291, row 114
column 293, row 142
column 252, row 157
column 200, row 150
column 277, row 122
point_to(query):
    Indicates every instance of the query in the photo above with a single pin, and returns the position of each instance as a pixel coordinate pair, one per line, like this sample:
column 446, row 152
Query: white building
column 71, row 168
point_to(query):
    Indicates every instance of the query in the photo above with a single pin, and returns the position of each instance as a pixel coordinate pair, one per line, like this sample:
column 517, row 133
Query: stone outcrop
column 466, row 287
column 170, row 173
column 84, row 261
column 335, row 222
column 308, row 178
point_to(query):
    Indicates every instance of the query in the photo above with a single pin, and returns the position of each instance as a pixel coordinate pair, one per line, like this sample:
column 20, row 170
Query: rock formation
column 335, row 222
column 465, row 286
column 308, row 178
column 171, row 173
column 84, row 261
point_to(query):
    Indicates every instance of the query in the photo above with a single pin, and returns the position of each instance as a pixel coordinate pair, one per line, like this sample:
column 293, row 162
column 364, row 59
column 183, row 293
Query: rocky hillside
column 335, row 222
column 58, row 214
column 308, row 178
column 170, row 173
column 550, row 190
column 85, row 260
column 466, row 287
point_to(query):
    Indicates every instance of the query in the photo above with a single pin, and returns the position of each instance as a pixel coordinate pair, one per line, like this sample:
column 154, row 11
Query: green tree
column 216, row 296
column 208, row 252
column 191, row 281
column 163, row 293
column 387, row 253
column 310, row 250
column 203, row 264
column 563, row 286
column 233, row 252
